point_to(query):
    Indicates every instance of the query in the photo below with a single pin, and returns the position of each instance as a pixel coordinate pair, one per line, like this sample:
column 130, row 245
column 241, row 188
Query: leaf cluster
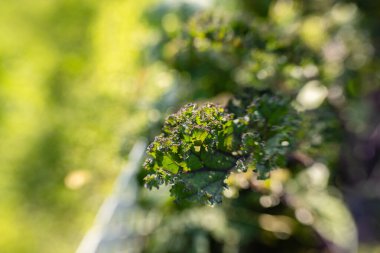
column 201, row 145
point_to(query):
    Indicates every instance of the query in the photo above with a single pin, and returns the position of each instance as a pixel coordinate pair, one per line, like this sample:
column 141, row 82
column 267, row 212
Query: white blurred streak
column 114, row 219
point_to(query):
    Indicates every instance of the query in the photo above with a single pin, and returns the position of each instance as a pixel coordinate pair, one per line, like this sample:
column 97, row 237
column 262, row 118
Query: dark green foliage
column 200, row 146
column 252, row 50
column 234, row 52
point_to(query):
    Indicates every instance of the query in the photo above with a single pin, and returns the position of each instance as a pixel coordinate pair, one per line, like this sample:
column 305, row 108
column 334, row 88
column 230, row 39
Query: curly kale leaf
column 200, row 145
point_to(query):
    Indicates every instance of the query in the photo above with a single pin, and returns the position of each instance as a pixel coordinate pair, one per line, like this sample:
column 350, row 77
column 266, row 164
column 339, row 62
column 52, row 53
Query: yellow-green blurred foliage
column 70, row 90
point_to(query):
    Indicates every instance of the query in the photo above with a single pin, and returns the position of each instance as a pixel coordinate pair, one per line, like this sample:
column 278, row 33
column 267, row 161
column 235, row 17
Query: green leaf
column 203, row 187
column 200, row 146
column 193, row 162
column 217, row 161
column 169, row 164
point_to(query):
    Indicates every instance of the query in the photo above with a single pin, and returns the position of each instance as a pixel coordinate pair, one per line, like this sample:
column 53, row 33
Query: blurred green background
column 79, row 81
column 70, row 91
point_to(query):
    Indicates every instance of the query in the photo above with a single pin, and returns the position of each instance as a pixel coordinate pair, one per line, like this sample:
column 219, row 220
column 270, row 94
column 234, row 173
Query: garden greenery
column 262, row 96
column 201, row 145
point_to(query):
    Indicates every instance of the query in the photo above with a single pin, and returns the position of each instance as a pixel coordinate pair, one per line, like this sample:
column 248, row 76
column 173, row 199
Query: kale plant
column 201, row 145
